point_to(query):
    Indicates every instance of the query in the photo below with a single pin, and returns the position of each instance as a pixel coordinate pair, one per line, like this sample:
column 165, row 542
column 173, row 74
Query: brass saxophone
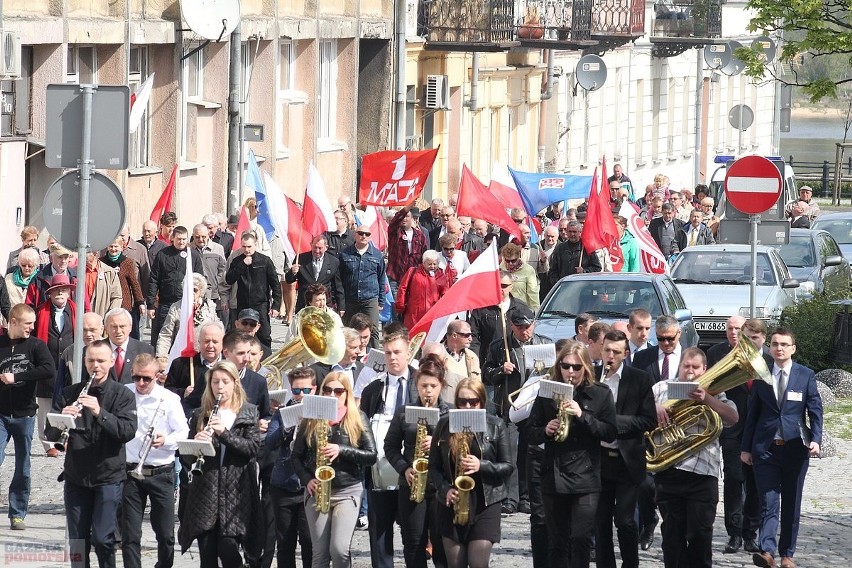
column 564, row 415
column 464, row 484
column 324, row 472
column 420, row 463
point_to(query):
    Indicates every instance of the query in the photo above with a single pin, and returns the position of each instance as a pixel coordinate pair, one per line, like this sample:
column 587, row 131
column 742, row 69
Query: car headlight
column 759, row 312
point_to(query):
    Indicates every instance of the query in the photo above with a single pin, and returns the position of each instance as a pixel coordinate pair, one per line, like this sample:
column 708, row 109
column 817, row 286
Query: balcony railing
column 561, row 23
column 687, row 20
column 469, row 25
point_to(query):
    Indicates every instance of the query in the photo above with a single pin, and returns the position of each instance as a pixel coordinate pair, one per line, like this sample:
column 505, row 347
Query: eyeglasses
column 468, row 402
column 780, row 345
column 305, row 390
column 446, row 215
column 668, row 338
column 519, row 221
column 143, row 378
column 250, row 323
column 571, row 366
column 504, row 286
column 513, row 260
column 363, row 233
column 450, row 249
column 462, row 334
column 337, row 392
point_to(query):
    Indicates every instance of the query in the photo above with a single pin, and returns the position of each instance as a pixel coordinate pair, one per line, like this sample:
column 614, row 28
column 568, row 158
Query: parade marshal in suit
column 778, row 443
column 623, row 463
column 317, row 267
column 118, row 324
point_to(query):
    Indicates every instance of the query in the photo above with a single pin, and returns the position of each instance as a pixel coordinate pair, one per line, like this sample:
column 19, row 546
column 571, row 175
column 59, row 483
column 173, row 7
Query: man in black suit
column 342, row 236
column 317, row 267
column 217, row 235
column 623, row 461
column 447, row 214
column 485, row 324
column 150, row 241
column 664, row 229
column 191, row 387
column 118, row 324
column 395, row 388
column 350, row 363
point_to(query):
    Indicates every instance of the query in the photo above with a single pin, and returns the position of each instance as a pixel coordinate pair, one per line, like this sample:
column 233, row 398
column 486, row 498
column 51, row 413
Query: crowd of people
column 576, row 466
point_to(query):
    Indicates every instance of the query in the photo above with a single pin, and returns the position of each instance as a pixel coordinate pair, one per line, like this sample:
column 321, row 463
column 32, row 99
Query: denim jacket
column 362, row 275
column 278, row 437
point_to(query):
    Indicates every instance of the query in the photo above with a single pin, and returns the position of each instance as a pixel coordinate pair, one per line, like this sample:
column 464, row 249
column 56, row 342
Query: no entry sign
column 753, row 184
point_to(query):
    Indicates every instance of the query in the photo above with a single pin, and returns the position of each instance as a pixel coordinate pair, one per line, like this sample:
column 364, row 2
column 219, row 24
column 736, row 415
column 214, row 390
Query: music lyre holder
column 375, row 360
column 467, row 420
column 545, row 354
column 291, row 415
column 196, row 448
column 319, row 407
column 555, row 390
column 414, row 414
column 62, row 421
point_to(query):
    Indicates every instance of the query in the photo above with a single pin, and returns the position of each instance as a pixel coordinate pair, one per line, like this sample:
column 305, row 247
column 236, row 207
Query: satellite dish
column 211, row 19
column 591, row 72
column 741, row 117
column 734, row 66
column 717, row 55
column 765, row 46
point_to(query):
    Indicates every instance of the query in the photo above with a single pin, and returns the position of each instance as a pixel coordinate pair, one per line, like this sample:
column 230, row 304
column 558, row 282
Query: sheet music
column 61, row 421
column 545, row 353
column 281, row 396
column 554, row 390
column 679, row 390
column 413, row 414
column 319, row 407
column 472, row 420
column 291, row 415
column 195, row 448
column 375, row 360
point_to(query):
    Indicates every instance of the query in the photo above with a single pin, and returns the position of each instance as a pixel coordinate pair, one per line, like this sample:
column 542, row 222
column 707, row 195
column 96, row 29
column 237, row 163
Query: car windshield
column 799, row 252
column 721, row 267
column 608, row 299
column 840, row 229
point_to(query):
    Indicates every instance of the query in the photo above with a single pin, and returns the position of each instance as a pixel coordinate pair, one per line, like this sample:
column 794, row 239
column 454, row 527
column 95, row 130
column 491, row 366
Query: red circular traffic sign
column 753, row 184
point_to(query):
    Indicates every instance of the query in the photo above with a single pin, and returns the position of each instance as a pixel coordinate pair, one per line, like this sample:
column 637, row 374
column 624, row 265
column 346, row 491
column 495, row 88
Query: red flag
column 393, row 178
column 242, row 225
column 317, row 213
column 295, row 230
column 165, row 202
column 476, row 201
column 599, row 230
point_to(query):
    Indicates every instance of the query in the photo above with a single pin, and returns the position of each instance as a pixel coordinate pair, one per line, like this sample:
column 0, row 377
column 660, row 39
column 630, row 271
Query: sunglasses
column 504, row 286
column 668, row 339
column 337, row 392
column 571, row 366
column 451, row 249
column 363, row 233
column 468, row 402
column 143, row 378
column 463, row 334
column 247, row 322
column 305, row 390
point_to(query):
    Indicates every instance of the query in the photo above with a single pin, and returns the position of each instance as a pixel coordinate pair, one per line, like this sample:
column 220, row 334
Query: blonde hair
column 208, row 399
column 351, row 422
column 582, row 353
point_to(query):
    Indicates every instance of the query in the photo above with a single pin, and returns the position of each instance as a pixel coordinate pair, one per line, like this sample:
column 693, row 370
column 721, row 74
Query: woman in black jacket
column 417, row 520
column 570, row 470
column 349, row 449
column 488, row 462
column 223, row 501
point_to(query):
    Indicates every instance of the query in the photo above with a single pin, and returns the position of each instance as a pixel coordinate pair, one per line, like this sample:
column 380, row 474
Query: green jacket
column 630, row 252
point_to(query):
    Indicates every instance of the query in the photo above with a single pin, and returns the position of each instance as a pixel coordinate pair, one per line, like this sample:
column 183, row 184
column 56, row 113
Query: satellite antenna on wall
column 591, row 72
column 735, row 66
column 717, row 55
column 765, row 46
column 211, row 19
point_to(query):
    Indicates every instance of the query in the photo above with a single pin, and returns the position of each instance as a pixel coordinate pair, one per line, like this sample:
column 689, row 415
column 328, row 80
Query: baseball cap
column 521, row 315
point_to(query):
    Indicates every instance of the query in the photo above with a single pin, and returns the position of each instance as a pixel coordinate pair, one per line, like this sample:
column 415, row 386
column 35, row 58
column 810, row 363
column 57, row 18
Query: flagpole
column 505, row 334
column 302, row 232
column 191, row 373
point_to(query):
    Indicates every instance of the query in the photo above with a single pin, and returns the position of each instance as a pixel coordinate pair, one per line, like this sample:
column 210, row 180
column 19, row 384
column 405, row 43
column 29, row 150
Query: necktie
column 692, row 237
column 119, row 361
column 399, row 394
column 782, row 386
column 664, row 371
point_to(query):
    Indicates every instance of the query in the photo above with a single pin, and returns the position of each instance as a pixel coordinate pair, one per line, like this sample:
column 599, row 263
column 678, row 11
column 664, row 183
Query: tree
column 817, row 43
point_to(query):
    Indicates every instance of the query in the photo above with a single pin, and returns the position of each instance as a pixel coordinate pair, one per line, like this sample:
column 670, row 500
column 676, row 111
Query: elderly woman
column 103, row 290
column 19, row 279
column 420, row 288
column 524, row 279
column 132, row 298
column 204, row 311
column 316, row 295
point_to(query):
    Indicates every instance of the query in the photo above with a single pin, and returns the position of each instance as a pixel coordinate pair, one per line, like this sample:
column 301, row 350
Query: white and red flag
column 503, row 187
column 139, row 103
column 317, row 213
column 184, row 345
column 653, row 260
column 477, row 287
column 394, row 178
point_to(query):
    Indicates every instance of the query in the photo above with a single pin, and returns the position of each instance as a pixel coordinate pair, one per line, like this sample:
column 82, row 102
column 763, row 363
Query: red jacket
column 418, row 291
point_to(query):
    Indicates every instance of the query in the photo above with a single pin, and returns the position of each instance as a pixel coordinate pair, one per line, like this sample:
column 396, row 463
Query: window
column 287, row 95
column 327, row 90
column 137, row 74
column 192, row 90
column 247, row 53
column 82, row 65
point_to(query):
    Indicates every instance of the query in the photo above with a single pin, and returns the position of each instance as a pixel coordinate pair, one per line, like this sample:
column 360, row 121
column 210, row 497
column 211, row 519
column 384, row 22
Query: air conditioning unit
column 10, row 54
column 437, row 92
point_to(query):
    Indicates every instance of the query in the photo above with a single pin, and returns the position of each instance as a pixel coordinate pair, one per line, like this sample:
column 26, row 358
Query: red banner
column 392, row 178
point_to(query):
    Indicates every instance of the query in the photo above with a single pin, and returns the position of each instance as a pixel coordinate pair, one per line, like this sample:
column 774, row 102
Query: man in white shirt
column 161, row 423
column 662, row 360
column 638, row 327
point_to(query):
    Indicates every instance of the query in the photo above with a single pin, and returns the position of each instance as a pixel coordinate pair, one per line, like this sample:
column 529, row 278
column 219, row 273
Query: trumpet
column 464, row 484
column 421, row 462
column 63, row 437
column 198, row 466
column 147, row 443
column 324, row 472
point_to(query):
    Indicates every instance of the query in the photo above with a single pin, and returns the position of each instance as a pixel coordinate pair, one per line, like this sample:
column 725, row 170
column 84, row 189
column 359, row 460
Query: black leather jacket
column 492, row 448
column 350, row 463
column 400, row 438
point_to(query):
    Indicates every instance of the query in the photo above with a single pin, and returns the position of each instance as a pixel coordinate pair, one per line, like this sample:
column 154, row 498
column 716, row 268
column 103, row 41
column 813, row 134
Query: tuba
column 464, row 484
column 324, row 472
column 318, row 337
column 420, row 464
column 691, row 426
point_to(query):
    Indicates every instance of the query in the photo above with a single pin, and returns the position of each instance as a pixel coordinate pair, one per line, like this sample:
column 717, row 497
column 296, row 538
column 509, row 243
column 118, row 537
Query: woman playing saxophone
column 570, row 469
column 487, row 461
column 349, row 447
column 405, row 442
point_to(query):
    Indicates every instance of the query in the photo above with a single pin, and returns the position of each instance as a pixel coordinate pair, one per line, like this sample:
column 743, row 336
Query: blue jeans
column 21, row 431
column 91, row 514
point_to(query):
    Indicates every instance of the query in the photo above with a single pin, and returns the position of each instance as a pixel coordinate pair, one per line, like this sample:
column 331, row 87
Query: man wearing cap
column 248, row 321
column 59, row 257
column 811, row 207
column 317, row 267
column 507, row 377
column 406, row 244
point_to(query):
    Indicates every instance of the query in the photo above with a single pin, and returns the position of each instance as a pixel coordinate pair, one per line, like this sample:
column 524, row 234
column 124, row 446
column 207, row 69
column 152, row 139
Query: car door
column 787, row 296
column 835, row 278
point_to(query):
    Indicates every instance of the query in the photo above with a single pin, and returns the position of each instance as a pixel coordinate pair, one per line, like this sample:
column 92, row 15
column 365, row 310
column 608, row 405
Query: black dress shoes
column 734, row 544
column 646, row 536
column 750, row 546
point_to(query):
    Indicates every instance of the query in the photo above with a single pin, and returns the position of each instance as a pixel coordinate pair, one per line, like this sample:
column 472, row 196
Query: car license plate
column 709, row 326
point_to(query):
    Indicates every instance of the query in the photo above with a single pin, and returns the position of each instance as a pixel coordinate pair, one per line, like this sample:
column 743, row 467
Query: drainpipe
column 471, row 102
column 235, row 164
column 401, row 95
column 542, row 109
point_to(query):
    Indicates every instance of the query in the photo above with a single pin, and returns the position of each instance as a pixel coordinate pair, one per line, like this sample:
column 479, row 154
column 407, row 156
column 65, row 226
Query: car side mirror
column 833, row 260
column 790, row 283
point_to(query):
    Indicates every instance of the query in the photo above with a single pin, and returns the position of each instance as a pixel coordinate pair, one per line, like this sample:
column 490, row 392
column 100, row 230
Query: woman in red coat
column 420, row 288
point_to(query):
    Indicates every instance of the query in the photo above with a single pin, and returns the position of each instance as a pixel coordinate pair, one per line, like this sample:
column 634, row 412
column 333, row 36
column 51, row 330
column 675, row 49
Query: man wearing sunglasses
column 362, row 272
column 462, row 360
column 160, row 423
column 248, row 321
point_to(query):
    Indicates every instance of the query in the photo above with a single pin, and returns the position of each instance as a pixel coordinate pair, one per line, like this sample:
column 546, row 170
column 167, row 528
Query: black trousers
column 264, row 334
column 419, row 525
column 517, row 482
column 260, row 543
column 742, row 503
column 291, row 525
column 539, row 541
column 369, row 308
column 687, row 502
column 570, row 528
column 617, row 503
column 213, row 547
column 382, row 513
column 90, row 515
column 160, row 489
column 647, row 502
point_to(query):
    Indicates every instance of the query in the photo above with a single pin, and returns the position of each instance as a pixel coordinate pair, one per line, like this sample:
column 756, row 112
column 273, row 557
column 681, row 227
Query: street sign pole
column 752, row 298
column 85, row 164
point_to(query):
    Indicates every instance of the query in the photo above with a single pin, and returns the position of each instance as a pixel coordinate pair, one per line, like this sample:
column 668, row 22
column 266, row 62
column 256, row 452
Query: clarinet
column 197, row 467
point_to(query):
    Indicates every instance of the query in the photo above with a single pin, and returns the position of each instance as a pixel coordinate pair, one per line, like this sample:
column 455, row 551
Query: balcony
column 468, row 25
column 682, row 24
column 569, row 24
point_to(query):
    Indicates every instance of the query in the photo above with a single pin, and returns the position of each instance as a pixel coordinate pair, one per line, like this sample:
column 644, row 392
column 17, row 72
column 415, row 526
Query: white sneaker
column 363, row 523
